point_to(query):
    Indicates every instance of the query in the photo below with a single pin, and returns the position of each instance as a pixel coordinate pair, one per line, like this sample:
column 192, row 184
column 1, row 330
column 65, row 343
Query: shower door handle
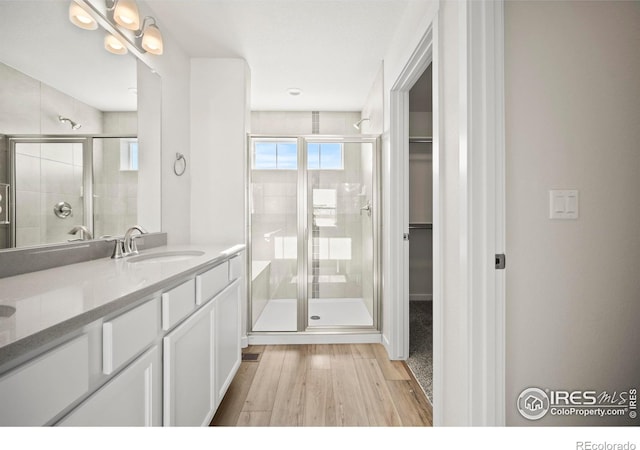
column 366, row 208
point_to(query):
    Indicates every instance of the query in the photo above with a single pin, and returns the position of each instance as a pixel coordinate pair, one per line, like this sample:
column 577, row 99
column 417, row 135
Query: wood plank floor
column 323, row 385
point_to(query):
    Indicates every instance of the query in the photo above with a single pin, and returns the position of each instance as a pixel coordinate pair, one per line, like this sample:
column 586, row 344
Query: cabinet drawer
column 178, row 303
column 129, row 334
column 34, row 393
column 211, row 282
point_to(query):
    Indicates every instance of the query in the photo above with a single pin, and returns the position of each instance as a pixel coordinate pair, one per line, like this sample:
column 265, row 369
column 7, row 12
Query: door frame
column 480, row 226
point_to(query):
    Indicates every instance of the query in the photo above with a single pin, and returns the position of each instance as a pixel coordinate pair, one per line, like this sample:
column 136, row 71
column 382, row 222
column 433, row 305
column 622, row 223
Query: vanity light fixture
column 151, row 37
column 145, row 38
column 125, row 13
column 113, row 45
column 81, row 18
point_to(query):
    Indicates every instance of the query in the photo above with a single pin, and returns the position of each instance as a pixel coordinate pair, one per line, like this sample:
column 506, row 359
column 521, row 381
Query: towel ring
column 179, row 156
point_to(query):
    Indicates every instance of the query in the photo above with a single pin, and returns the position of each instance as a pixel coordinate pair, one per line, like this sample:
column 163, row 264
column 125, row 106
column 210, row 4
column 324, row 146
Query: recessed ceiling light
column 294, row 91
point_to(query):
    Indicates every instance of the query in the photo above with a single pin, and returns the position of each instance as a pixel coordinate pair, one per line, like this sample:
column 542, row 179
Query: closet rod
column 420, row 140
column 420, row 226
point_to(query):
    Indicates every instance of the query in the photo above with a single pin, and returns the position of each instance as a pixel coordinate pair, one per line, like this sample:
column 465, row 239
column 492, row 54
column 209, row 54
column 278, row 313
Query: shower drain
column 315, row 317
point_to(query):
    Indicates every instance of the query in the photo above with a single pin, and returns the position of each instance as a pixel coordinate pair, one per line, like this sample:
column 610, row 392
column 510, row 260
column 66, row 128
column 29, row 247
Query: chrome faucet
column 130, row 247
column 85, row 234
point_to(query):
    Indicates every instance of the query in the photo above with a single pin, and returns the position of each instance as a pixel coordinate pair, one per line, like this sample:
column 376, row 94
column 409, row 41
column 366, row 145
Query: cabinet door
column 131, row 398
column 189, row 396
column 227, row 338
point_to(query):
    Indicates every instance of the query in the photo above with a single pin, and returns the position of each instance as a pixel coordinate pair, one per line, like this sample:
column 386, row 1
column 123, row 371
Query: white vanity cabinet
column 131, row 398
column 201, row 357
column 189, row 395
column 167, row 358
column 227, row 325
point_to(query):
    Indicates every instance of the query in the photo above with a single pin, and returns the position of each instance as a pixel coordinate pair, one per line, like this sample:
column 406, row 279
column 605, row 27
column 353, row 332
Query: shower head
column 74, row 125
column 357, row 124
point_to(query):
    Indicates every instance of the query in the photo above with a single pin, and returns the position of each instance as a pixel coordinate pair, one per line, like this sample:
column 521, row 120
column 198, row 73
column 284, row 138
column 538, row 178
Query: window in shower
column 282, row 155
column 325, row 156
column 129, row 154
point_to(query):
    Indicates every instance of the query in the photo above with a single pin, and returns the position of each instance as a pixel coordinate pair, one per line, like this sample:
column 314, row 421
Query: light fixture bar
column 131, row 39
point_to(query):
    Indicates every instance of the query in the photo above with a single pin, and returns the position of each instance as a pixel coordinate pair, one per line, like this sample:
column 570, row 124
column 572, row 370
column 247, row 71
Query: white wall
column 572, row 121
column 373, row 108
column 219, row 123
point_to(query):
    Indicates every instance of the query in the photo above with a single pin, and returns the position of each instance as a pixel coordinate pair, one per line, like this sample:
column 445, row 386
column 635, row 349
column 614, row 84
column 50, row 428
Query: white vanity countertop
column 51, row 303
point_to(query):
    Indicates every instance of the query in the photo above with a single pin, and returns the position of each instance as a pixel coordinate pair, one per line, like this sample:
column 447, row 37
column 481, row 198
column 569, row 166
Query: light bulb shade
column 126, row 14
column 81, row 18
column 114, row 45
column 152, row 40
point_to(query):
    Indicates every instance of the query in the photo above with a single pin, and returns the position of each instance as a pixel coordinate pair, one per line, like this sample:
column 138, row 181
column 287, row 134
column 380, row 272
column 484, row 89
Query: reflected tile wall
column 43, row 181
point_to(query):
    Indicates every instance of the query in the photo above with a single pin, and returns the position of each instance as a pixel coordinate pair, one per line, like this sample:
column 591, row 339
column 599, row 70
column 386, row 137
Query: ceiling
column 331, row 50
column 39, row 40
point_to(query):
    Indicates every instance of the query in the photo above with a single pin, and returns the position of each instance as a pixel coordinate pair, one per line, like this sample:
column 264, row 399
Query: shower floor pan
column 281, row 314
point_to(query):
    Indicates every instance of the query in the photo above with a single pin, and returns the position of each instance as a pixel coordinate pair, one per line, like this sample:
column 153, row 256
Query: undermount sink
column 161, row 257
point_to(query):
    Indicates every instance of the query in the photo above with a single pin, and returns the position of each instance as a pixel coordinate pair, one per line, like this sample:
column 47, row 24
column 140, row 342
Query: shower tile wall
column 274, row 228
column 47, row 174
column 348, row 226
column 300, row 123
column 31, row 107
column 115, row 190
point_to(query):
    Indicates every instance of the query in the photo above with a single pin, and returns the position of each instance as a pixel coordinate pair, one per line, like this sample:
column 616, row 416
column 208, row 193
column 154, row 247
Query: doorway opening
column 420, row 359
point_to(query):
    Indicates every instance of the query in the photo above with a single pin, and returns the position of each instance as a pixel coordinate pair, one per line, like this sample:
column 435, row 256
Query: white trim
column 314, row 338
column 480, row 230
column 483, row 207
column 398, row 275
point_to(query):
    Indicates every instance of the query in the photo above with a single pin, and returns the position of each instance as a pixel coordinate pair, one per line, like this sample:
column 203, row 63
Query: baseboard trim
column 314, row 338
column 244, row 342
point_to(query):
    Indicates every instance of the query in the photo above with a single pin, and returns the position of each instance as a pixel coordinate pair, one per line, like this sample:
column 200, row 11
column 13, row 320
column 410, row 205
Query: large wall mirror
column 79, row 131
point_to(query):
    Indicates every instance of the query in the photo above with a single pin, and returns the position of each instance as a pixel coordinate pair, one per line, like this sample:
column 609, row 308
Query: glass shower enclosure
column 314, row 224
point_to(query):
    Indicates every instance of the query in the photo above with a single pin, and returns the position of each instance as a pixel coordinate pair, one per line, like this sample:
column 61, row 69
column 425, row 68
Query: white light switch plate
column 563, row 204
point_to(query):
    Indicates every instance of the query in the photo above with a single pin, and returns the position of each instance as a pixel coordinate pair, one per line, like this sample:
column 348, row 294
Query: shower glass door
column 273, row 199
column 340, row 224
column 313, row 227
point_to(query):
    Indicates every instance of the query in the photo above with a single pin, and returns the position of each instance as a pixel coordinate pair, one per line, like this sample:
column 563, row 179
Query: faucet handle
column 118, row 248
column 133, row 247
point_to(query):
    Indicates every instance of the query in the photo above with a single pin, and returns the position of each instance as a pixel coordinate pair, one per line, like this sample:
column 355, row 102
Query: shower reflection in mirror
column 64, row 183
